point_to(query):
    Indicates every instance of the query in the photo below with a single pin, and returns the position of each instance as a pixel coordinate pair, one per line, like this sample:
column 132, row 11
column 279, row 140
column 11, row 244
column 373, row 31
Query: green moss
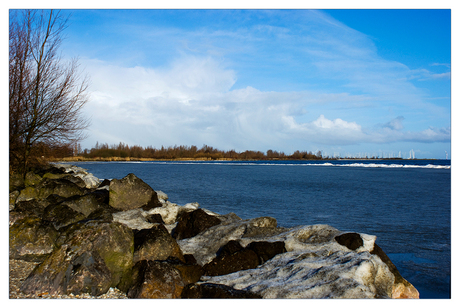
column 32, row 179
column 28, row 193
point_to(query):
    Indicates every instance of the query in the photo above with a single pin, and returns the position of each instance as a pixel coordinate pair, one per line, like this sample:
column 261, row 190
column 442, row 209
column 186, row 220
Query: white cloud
column 192, row 102
column 342, row 89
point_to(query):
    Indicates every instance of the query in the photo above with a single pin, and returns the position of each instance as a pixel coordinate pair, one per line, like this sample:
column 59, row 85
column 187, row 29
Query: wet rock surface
column 88, row 238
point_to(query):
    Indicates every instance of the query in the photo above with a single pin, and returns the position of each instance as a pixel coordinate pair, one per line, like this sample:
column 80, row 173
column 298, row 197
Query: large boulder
column 131, row 193
column 60, row 187
column 31, row 239
column 28, row 193
column 154, row 279
column 85, row 204
column 190, row 271
column 155, row 244
column 104, row 248
column 191, row 223
column 60, row 215
column 69, row 177
column 67, row 271
column 232, row 257
column 31, row 208
column 50, row 168
column 316, row 265
column 205, row 245
column 32, row 179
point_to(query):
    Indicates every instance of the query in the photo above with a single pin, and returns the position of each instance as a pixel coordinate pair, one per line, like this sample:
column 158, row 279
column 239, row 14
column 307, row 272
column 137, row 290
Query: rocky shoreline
column 75, row 236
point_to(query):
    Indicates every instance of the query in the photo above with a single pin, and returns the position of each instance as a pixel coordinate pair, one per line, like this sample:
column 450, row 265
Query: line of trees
column 182, row 152
column 46, row 94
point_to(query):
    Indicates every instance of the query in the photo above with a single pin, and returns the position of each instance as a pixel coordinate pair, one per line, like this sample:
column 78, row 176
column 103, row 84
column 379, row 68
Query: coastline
column 115, row 159
column 20, row 270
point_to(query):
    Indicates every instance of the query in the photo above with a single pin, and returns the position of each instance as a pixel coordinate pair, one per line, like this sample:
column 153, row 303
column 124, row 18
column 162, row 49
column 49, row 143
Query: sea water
column 405, row 203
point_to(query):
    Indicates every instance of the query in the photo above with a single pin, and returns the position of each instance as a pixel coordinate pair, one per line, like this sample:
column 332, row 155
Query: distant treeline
column 183, row 152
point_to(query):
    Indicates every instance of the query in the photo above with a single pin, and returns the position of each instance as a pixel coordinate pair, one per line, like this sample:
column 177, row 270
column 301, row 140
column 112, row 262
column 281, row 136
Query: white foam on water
column 328, row 164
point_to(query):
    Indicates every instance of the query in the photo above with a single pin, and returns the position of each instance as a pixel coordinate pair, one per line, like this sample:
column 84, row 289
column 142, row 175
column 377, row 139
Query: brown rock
column 155, row 244
column 191, row 223
column 266, row 250
column 153, row 279
column 230, row 248
column 226, row 264
column 131, row 193
column 190, row 272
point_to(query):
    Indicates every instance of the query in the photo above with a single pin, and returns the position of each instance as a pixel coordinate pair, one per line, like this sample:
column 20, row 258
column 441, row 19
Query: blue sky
column 346, row 82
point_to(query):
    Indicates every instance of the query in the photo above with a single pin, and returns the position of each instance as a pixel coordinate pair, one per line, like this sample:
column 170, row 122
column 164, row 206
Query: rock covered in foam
column 315, row 265
column 315, row 273
column 205, row 245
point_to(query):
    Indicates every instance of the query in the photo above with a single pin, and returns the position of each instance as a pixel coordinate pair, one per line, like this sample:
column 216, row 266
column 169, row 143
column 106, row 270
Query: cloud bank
column 204, row 95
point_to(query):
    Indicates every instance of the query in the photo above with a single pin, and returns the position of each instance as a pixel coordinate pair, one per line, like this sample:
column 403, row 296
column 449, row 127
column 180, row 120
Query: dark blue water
column 406, row 204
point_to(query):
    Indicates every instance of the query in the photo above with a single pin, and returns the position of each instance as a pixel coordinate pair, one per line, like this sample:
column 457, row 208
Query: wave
column 429, row 166
column 363, row 165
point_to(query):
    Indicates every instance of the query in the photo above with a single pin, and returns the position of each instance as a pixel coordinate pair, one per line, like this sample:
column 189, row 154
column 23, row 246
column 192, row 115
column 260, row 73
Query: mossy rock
column 32, row 179
column 66, row 176
column 60, row 187
column 16, row 182
column 13, row 196
column 102, row 250
column 113, row 241
column 28, row 193
column 132, row 193
column 85, row 204
column 31, row 239
column 60, row 215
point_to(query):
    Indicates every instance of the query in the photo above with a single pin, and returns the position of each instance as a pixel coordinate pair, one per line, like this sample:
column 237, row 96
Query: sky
column 344, row 82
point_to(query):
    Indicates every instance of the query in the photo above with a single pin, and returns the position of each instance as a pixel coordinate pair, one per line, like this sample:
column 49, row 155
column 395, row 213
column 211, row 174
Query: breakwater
column 122, row 233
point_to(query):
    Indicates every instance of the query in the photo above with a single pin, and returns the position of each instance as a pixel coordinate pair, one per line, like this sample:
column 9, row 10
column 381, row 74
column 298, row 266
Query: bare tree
column 46, row 94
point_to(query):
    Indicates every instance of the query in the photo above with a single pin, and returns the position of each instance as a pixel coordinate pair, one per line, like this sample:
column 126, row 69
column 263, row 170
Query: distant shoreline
column 116, row 159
